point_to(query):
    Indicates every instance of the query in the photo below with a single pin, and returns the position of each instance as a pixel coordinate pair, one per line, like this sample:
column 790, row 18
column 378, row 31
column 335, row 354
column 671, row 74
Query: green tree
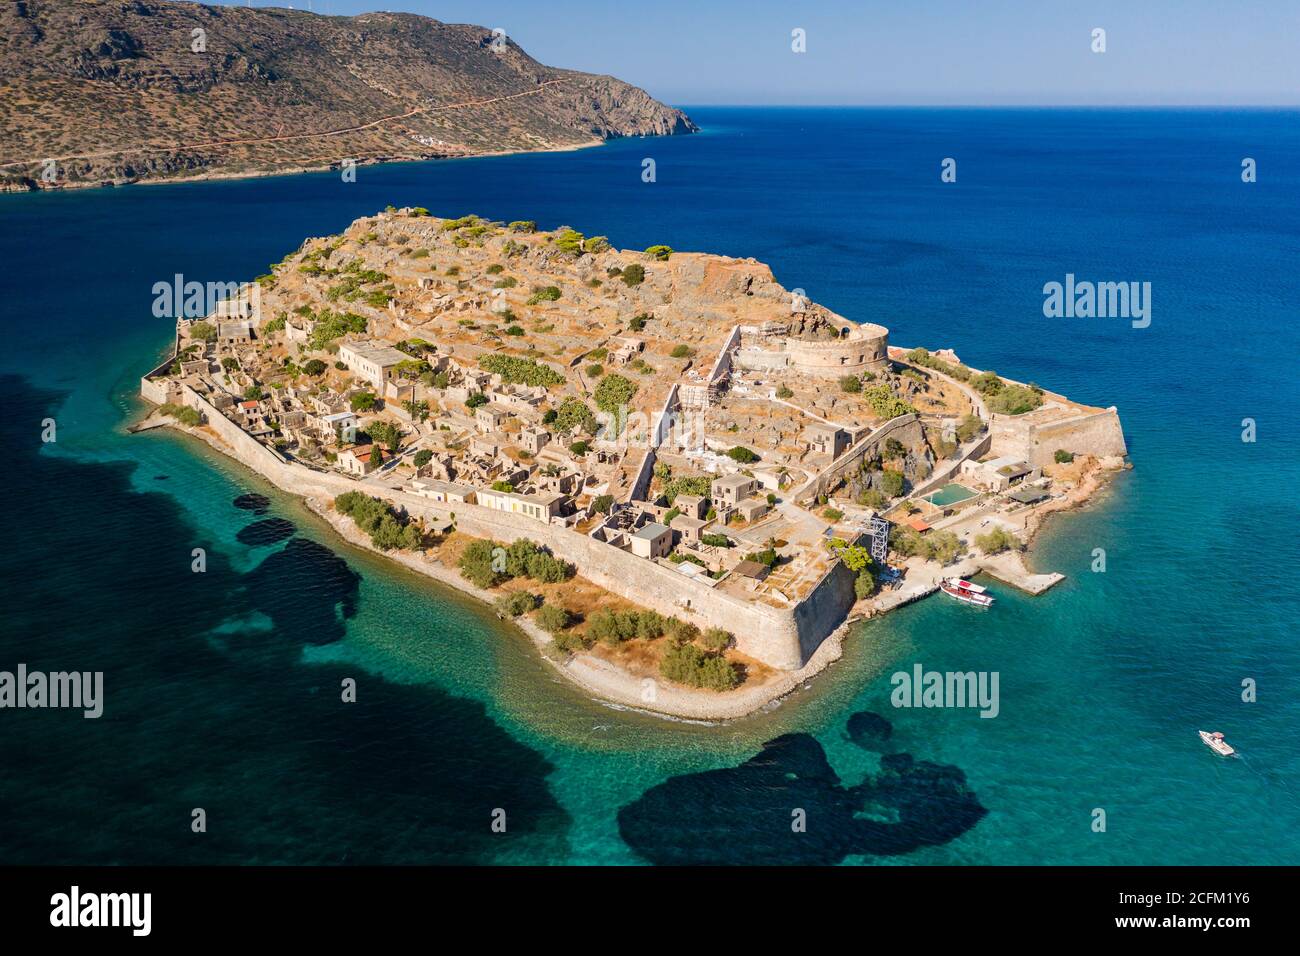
column 741, row 454
column 614, row 392
column 477, row 565
column 362, row 402
column 553, row 618
column 203, row 332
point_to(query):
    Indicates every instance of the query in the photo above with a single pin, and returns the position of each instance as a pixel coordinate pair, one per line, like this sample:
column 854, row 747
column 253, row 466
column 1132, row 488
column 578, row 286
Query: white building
column 371, row 361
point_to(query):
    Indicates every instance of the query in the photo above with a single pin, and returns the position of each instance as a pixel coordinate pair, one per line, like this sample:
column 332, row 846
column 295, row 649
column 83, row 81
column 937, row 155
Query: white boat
column 1216, row 743
column 966, row 592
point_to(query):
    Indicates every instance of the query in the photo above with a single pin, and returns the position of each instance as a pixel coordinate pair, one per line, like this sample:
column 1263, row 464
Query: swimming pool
column 950, row 494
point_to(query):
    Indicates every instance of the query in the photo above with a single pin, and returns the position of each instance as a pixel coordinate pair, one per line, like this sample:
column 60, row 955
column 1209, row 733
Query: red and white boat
column 1214, row 740
column 966, row 592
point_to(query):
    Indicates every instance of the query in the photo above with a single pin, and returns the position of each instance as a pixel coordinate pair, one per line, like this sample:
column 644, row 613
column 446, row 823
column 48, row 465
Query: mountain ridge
column 121, row 90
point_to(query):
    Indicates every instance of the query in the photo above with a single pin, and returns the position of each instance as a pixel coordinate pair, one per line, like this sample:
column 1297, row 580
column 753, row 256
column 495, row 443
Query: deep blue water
column 222, row 688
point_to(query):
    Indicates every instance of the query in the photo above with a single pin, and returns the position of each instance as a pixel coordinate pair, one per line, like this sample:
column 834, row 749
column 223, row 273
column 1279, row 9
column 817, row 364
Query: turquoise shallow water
column 222, row 691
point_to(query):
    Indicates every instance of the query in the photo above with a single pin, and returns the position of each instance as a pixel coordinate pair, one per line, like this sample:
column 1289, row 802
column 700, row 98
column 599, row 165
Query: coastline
column 610, row 685
column 614, row 687
column 217, row 176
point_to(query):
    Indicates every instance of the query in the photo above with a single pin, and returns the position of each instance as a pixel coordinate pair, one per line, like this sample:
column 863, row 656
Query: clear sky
column 903, row 52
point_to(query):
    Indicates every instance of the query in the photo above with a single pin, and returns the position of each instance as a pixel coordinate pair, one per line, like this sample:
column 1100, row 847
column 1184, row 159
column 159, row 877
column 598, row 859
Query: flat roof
column 686, row 521
column 751, row 569
column 377, row 353
column 1029, row 495
column 650, row 531
column 732, row 481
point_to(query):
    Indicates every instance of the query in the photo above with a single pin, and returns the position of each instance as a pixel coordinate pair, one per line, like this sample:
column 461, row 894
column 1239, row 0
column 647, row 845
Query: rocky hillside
column 127, row 89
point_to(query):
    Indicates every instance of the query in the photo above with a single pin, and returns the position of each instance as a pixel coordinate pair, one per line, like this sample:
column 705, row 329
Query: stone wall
column 907, row 428
column 781, row 638
column 1090, row 433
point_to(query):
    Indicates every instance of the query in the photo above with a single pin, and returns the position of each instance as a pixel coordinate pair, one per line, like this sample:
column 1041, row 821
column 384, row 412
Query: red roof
column 917, row 524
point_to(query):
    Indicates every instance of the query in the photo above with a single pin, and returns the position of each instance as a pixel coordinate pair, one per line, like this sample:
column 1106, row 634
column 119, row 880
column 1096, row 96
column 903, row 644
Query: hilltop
column 119, row 90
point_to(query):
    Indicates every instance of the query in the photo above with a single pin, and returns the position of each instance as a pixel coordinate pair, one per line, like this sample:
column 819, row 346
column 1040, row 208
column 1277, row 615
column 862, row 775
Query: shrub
column 892, row 482
column 594, row 370
column 495, row 269
column 1063, row 457
column 741, row 454
column 597, row 244
column 553, row 618
column 520, row 602
column 687, row 664
column 832, row 514
column 476, row 564
column 603, row 503
column 423, row 457
column 997, row 540
column 373, row 516
column 548, row 569
column 520, row 371
column 314, row 367
column 203, row 331
column 570, row 642
column 569, row 241
column 1015, row 400
column 864, row 585
column 884, row 402
column 509, row 282
column 969, row 427
column 682, row 351
column 634, row 274
column 871, row 498
column 783, row 391
column 548, row 293
column 579, row 448
column 715, row 639
column 716, row 540
column 659, row 253
column 614, row 392
column 850, row 383
column 572, row 416
column 523, row 225
column 476, row 400
column 362, row 402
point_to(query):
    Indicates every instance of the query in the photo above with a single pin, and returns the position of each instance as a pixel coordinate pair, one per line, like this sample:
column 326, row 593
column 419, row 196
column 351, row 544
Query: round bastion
column 858, row 349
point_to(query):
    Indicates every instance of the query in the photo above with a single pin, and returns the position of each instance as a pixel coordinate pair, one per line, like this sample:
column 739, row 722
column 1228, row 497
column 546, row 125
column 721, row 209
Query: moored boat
column 966, row 592
column 1214, row 740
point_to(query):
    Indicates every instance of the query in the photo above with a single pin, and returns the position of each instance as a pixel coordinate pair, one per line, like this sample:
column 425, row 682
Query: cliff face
column 114, row 89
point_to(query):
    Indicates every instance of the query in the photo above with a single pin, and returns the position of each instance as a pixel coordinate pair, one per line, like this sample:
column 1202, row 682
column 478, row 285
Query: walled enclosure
column 1091, row 433
column 782, row 638
column 864, row 349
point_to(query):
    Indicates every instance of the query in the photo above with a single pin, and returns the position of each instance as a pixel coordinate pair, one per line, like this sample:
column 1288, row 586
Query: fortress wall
column 1097, row 434
column 848, row 356
column 781, row 638
column 1094, row 433
column 825, row 608
column 775, row 636
column 772, row 635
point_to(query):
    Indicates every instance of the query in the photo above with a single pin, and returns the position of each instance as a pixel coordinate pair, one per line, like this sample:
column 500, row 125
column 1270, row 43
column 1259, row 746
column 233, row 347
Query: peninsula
column 101, row 92
column 680, row 478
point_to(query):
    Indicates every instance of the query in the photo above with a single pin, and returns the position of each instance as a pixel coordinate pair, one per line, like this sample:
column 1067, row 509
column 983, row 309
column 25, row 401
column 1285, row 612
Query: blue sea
column 222, row 689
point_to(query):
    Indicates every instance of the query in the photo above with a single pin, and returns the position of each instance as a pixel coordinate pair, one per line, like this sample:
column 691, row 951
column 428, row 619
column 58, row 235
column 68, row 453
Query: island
column 682, row 480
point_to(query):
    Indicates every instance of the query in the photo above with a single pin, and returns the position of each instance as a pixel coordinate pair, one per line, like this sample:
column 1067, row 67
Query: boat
column 1214, row 740
column 966, row 592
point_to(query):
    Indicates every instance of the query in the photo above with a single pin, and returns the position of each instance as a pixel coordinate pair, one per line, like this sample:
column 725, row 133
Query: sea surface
column 222, row 688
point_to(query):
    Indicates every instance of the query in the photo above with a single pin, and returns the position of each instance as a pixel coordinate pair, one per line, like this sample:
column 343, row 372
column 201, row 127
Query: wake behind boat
column 1216, row 743
column 966, row 592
